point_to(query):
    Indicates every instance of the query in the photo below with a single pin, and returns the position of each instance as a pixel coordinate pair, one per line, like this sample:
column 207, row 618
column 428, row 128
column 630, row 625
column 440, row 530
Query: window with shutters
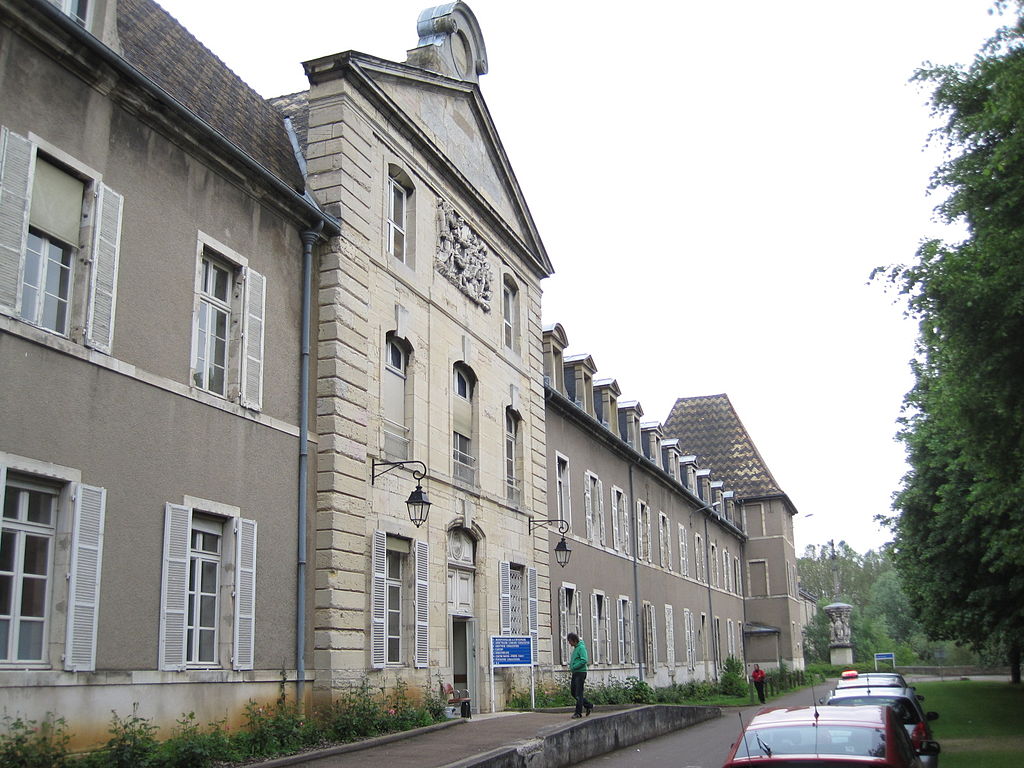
column 684, row 555
column 650, row 635
column 518, row 607
column 713, row 564
column 570, row 612
column 670, row 636
column 208, row 588
column 399, row 601
column 643, row 534
column 396, row 398
column 562, row 498
column 227, row 327
column 665, row 541
column 60, row 229
column 698, row 556
column 737, row 583
column 51, row 536
column 625, row 631
column 593, row 506
column 691, row 640
column 600, row 629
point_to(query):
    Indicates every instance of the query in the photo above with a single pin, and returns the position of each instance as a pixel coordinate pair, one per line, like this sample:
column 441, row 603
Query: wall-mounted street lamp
column 418, row 504
column 562, row 551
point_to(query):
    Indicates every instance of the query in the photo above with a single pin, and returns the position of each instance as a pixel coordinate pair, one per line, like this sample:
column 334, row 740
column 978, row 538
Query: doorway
column 464, row 666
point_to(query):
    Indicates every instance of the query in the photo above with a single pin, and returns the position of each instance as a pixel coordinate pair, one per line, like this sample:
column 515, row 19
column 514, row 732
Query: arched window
column 396, row 396
column 463, row 424
column 399, row 219
column 510, row 314
column 513, row 457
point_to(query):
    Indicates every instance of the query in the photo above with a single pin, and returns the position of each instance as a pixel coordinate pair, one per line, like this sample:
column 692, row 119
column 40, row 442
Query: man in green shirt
column 578, row 667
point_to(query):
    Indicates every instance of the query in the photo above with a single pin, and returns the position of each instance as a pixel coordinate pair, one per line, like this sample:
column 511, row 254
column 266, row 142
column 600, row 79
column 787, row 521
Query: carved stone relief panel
column 462, row 256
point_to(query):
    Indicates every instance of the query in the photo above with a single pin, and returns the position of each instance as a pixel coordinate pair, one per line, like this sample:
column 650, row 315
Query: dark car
column 906, row 705
column 837, row 737
column 868, row 679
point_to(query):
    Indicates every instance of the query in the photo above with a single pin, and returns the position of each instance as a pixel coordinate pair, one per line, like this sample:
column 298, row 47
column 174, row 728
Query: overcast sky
column 714, row 182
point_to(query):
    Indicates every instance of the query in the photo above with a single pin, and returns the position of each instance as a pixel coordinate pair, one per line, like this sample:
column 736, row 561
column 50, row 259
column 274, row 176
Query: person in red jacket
column 758, row 677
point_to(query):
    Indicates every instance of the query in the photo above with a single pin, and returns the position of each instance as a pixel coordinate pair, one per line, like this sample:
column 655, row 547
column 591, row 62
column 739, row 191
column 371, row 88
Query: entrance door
column 464, row 663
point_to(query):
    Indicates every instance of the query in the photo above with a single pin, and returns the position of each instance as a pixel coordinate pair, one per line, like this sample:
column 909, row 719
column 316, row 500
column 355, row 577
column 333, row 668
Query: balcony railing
column 464, row 468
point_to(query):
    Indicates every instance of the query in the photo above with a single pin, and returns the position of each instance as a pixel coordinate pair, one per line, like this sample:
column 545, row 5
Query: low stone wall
column 574, row 742
column 951, row 671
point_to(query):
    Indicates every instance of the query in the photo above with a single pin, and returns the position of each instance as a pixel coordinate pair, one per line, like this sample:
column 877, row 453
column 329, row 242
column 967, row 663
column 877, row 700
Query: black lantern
column 562, row 551
column 418, row 504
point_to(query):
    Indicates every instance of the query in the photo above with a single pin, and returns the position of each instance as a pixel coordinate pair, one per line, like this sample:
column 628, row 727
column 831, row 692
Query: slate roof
column 709, row 427
column 158, row 46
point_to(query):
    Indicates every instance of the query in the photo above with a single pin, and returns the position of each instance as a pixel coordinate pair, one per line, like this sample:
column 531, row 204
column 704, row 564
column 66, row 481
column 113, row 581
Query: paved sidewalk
column 440, row 745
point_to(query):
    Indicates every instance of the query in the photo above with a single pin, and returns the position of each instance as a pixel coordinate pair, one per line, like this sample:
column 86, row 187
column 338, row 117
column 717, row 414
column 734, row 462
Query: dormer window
column 76, row 9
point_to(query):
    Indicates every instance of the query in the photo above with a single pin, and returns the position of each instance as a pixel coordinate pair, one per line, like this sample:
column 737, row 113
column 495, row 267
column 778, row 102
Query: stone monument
column 840, row 648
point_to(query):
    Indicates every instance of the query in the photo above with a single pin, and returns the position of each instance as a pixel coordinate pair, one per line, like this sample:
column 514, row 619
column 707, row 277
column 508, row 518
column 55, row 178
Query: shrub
column 32, row 744
column 132, row 742
column 734, row 680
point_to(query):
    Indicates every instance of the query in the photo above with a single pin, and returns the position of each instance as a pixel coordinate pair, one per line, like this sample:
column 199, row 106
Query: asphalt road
column 702, row 746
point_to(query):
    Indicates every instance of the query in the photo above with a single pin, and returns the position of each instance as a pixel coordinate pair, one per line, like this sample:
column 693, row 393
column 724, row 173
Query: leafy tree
column 959, row 527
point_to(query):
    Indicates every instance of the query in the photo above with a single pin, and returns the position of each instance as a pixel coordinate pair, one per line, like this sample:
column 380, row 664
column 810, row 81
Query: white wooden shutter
column 624, row 508
column 532, row 610
column 174, row 587
column 684, row 566
column 378, row 594
column 16, row 163
column 599, row 511
column 670, row 638
column 421, row 553
column 588, row 506
column 627, row 627
column 84, row 578
column 616, row 542
column 504, row 598
column 606, row 650
column 252, row 340
column 99, row 327
column 243, row 655
column 578, row 604
column 620, row 621
column 595, row 630
column 563, row 624
column 639, row 531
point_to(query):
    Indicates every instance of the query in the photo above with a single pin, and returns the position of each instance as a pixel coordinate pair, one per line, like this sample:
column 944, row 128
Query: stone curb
column 353, row 746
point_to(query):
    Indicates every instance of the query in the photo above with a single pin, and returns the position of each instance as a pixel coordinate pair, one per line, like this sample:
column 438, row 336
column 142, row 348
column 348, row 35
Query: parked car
column 906, row 705
column 854, row 679
column 836, row 737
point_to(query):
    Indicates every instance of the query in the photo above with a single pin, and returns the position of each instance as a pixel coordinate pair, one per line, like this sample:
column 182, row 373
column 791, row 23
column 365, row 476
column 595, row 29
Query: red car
column 838, row 737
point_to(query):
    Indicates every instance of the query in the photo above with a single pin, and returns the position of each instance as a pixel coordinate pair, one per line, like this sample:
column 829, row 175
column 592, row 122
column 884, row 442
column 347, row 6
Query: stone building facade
column 429, row 351
column 654, row 582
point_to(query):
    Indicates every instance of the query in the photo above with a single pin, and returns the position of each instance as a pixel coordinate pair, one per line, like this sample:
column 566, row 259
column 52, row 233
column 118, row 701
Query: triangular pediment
column 453, row 119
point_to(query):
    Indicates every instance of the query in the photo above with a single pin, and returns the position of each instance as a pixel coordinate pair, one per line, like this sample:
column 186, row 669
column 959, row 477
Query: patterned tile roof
column 162, row 49
column 709, row 427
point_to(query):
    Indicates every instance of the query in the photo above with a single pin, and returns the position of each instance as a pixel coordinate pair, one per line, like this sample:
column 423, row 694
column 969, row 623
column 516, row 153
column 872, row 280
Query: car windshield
column 905, row 712
column 853, row 741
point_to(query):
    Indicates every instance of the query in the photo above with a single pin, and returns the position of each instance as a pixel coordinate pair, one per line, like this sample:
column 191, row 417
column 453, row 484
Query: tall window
column 395, row 227
column 665, row 541
column 510, row 314
column 600, row 629
column 396, row 396
column 38, row 573
column 399, row 601
column 228, row 328
column 714, row 565
column 570, row 612
column 691, row 640
column 209, row 371
column 59, row 235
column 562, row 488
column 650, row 635
column 625, row 623
column 684, row 555
column 203, row 591
column 208, row 586
column 513, row 458
column 643, row 534
column 463, row 425
column 26, row 569
column 593, row 505
column 698, row 555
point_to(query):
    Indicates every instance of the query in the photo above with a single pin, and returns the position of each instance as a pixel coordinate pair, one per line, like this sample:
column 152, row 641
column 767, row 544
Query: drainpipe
column 742, row 586
column 309, row 237
column 636, row 577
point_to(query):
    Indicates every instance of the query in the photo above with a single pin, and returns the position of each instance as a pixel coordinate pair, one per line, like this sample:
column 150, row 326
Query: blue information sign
column 511, row 651
column 885, row 657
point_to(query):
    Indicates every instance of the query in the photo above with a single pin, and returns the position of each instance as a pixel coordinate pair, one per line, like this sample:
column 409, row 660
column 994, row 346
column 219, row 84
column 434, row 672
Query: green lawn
column 981, row 724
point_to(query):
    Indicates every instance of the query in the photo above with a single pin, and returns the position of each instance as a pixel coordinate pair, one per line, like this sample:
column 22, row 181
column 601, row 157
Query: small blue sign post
column 885, row 657
column 512, row 651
